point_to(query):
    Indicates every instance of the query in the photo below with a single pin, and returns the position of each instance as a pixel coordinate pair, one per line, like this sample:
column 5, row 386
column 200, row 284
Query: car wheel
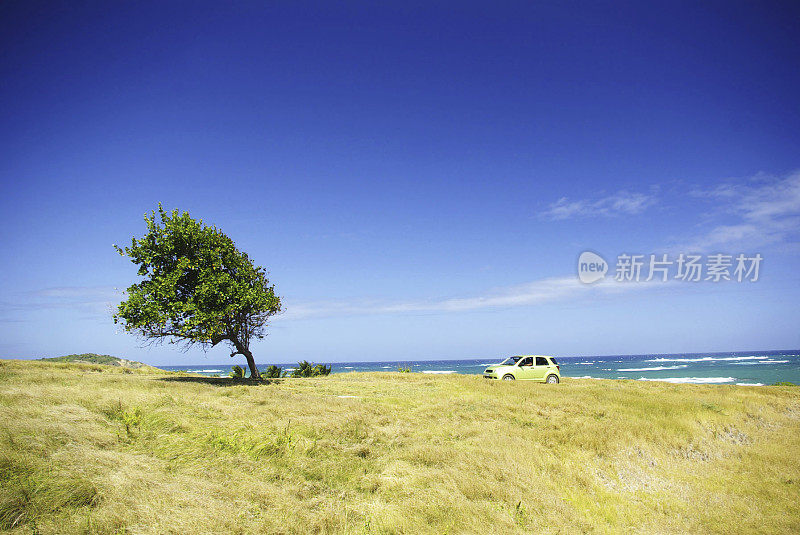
column 552, row 379
column 508, row 377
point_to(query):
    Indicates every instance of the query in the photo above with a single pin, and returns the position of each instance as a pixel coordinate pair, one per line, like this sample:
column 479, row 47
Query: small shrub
column 132, row 420
column 272, row 372
column 309, row 369
column 784, row 383
column 403, row 369
column 237, row 372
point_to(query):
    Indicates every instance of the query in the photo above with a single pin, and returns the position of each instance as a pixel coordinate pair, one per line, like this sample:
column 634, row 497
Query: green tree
column 198, row 288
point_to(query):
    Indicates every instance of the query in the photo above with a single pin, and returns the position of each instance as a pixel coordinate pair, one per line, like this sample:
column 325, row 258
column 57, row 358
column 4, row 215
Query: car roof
column 548, row 356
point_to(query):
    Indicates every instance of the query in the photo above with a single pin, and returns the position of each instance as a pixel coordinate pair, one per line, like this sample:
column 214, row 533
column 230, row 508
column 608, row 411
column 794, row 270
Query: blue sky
column 418, row 179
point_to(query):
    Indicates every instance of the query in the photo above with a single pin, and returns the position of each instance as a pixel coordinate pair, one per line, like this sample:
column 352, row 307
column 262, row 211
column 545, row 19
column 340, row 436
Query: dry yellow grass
column 95, row 449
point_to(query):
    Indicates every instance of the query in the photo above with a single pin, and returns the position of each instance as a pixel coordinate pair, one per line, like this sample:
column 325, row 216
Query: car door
column 541, row 368
column 525, row 368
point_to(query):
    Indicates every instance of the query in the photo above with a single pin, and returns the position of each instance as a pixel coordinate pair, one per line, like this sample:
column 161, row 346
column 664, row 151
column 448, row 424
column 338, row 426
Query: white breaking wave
column 761, row 362
column 438, row 371
column 653, row 369
column 750, row 384
column 693, row 380
column 705, row 359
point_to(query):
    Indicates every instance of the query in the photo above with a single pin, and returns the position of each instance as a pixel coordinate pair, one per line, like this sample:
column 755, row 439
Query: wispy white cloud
column 82, row 294
column 762, row 211
column 532, row 293
column 620, row 203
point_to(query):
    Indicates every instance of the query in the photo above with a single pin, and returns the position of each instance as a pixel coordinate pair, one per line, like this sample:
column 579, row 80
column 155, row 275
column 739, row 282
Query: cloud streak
column 532, row 293
column 621, row 203
column 94, row 302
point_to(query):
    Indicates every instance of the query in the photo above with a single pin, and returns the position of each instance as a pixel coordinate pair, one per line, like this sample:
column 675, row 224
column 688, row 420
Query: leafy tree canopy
column 197, row 287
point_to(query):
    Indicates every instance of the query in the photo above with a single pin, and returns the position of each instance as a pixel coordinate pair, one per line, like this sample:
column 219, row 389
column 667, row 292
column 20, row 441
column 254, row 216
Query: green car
column 526, row 368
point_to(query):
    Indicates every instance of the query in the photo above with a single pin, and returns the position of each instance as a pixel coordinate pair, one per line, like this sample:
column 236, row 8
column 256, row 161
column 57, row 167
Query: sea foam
column 692, row 380
column 704, row 359
column 653, row 369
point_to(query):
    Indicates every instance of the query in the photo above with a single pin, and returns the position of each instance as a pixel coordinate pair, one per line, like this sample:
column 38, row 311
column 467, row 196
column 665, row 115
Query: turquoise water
column 747, row 367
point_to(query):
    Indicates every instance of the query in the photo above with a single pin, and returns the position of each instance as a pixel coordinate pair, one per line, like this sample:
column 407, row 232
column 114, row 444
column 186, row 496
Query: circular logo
column 591, row 267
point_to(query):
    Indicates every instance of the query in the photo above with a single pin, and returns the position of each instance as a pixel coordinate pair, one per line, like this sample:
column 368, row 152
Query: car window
column 510, row 361
column 554, row 361
column 527, row 361
column 541, row 361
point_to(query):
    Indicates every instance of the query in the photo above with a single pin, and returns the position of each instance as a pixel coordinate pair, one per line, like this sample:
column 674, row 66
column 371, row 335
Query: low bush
column 237, row 372
column 272, row 372
column 309, row 369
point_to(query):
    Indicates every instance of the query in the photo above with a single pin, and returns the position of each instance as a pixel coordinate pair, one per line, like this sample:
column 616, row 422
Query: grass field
column 99, row 449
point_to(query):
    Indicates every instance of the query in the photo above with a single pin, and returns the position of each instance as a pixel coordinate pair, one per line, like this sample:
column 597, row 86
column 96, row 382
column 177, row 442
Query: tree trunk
column 251, row 363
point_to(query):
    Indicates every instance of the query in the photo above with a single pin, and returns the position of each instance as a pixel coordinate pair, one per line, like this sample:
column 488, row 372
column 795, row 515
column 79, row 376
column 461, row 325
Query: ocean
column 744, row 367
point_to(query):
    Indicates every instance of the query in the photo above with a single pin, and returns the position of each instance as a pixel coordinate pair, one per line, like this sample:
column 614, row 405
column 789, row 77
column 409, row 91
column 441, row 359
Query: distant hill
column 94, row 358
